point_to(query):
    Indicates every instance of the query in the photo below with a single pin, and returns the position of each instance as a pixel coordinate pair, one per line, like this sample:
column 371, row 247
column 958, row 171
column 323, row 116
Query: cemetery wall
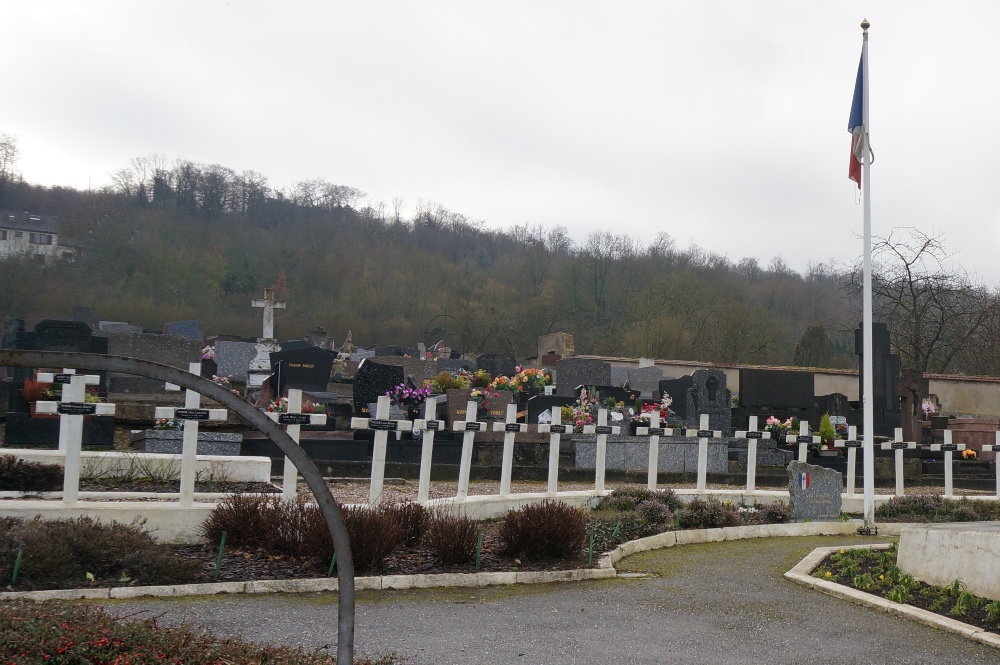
column 966, row 396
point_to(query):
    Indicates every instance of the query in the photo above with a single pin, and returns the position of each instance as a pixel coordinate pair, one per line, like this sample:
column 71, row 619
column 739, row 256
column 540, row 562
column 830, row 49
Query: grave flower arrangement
column 445, row 381
column 406, row 397
column 167, row 423
column 532, row 377
column 969, row 454
column 482, row 396
column 510, row 384
column 927, row 406
column 281, row 406
column 208, row 353
column 667, row 415
column 777, row 428
column 225, row 382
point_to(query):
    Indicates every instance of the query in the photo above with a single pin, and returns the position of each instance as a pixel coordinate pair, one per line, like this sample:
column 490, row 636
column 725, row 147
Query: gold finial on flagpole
column 865, row 24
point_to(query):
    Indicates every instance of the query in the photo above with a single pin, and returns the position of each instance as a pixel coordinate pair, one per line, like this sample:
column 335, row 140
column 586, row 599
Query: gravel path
column 721, row 603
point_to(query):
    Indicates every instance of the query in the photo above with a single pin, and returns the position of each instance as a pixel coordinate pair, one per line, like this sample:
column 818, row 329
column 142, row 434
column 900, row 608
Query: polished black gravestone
column 304, row 368
column 776, row 389
column 371, row 382
column 542, row 403
column 497, row 365
column 885, row 366
column 677, row 389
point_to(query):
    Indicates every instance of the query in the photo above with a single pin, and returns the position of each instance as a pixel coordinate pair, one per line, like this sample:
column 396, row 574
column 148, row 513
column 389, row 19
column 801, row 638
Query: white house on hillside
column 25, row 234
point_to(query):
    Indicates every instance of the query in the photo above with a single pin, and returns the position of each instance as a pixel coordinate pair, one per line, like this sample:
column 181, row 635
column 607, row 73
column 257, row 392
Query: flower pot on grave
column 482, row 413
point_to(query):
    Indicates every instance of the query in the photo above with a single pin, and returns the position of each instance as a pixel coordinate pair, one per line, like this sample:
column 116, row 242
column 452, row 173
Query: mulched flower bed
column 115, row 485
column 875, row 572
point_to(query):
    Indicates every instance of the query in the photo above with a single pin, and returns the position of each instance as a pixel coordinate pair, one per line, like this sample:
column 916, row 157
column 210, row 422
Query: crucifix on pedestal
column 293, row 419
column 260, row 366
column 71, row 409
column 191, row 414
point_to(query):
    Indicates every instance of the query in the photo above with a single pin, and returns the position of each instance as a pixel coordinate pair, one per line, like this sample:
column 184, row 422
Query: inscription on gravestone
column 814, row 492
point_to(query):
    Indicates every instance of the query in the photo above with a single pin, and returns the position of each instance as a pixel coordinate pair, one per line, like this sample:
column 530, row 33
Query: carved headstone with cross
column 470, row 426
column 71, row 409
column 260, row 366
column 382, row 426
column 510, row 428
column 752, row 435
column 293, row 419
column 899, row 446
column 191, row 414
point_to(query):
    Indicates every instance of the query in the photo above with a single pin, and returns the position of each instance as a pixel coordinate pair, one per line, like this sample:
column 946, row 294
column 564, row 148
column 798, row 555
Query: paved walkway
column 720, row 603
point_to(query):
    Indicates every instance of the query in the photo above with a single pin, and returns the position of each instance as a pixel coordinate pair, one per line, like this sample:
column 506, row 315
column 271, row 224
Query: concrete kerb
column 802, row 574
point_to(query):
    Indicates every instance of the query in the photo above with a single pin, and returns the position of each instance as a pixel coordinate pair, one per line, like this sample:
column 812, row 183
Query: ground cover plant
column 875, row 572
column 71, row 553
column 631, row 513
column 935, row 508
column 34, row 633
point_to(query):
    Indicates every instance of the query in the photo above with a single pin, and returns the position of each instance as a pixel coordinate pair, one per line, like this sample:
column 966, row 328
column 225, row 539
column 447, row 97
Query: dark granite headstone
column 233, row 358
column 646, row 380
column 295, row 344
column 450, row 365
column 414, row 370
column 708, row 394
column 305, row 368
column 619, row 376
column 371, row 382
column 836, row 404
column 771, row 388
column 456, row 401
column 573, row 372
column 165, row 349
column 678, row 390
column 885, row 366
column 814, row 492
column 187, row 329
column 540, row 403
column 496, row 365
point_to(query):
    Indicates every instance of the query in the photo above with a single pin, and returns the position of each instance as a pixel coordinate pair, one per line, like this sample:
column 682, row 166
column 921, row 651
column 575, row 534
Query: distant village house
column 25, row 234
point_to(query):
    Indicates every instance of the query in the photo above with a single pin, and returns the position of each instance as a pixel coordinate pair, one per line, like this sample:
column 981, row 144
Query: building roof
column 26, row 221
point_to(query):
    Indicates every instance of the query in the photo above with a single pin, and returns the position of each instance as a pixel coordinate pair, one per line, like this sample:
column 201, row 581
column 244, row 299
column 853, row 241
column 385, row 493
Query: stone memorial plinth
column 814, row 492
column 631, row 453
column 768, row 453
column 170, row 441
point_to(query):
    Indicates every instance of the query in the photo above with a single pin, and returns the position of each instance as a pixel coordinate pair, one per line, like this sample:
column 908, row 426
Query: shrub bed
column 546, row 530
column 34, row 633
column 19, row 476
column 935, row 508
column 875, row 572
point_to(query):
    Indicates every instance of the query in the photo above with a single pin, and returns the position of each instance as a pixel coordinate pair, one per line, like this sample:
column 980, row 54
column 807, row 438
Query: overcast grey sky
column 722, row 123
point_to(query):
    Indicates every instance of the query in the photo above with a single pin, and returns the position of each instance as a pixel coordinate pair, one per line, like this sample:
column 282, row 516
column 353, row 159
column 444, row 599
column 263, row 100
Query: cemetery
column 762, row 456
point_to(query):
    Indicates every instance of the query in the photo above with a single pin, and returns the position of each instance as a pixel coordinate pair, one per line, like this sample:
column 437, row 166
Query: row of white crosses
column 703, row 434
column 71, row 409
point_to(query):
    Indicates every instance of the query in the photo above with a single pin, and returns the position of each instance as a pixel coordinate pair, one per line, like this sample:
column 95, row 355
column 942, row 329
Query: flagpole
column 868, row 349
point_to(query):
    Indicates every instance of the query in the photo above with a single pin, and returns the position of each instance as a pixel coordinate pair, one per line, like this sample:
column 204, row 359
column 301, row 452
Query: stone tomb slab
column 171, row 441
column 188, row 329
column 814, row 492
column 165, row 349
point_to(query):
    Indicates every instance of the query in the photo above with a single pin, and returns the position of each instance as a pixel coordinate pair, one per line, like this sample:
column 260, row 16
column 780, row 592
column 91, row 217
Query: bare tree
column 933, row 308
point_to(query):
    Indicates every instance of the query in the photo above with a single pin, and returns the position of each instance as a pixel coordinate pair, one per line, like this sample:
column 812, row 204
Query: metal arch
column 304, row 464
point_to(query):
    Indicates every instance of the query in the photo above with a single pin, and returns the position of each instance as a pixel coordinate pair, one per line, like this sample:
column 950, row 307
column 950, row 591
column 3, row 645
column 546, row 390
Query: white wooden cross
column 948, row 447
column 751, row 435
column 654, row 432
column 428, row 425
column 899, row 446
column 803, row 439
column 382, row 426
column 555, row 430
column 470, row 426
column 601, row 429
column 269, row 304
column 71, row 409
column 703, row 434
column 191, row 414
column 293, row 419
column 990, row 448
column 74, row 387
column 511, row 427
column 852, row 444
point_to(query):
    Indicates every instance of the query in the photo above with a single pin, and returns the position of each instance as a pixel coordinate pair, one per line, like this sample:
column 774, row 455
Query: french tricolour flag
column 856, row 126
column 804, row 481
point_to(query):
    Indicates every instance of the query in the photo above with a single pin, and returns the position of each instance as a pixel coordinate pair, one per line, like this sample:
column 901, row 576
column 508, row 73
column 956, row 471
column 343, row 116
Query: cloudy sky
column 723, row 124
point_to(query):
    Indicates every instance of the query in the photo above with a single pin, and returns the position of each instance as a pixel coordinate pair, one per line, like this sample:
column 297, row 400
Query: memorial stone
column 371, row 382
column 497, row 365
column 814, row 492
column 306, row 368
column 885, row 366
column 677, row 389
column 646, row 380
column 768, row 389
column 708, row 395
column 619, row 376
column 573, row 372
column 541, row 403
column 233, row 358
column 176, row 352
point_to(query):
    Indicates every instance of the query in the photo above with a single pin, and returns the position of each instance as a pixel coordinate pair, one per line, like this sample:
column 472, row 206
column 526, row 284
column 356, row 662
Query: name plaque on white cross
column 191, row 414
column 62, row 378
column 294, row 419
column 949, row 447
column 900, row 445
column 76, row 409
column 389, row 425
column 656, row 431
column 705, row 434
column 803, row 438
column 473, row 427
column 603, row 429
column 852, row 444
column 512, row 427
column 552, row 429
column 432, row 425
column 754, row 435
